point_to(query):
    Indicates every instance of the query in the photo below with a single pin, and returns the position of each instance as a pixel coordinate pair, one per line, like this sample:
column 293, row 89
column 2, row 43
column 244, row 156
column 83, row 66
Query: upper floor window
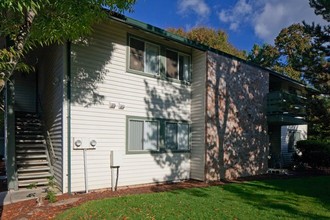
column 144, row 56
column 177, row 65
column 147, row 57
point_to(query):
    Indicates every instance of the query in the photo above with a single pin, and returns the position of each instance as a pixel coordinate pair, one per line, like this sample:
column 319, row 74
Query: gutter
column 185, row 41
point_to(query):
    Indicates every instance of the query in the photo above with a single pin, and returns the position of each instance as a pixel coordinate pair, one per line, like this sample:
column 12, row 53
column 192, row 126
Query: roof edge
column 182, row 40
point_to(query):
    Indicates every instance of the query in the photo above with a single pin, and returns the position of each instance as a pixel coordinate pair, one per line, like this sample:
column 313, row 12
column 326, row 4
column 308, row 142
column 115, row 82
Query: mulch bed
column 31, row 210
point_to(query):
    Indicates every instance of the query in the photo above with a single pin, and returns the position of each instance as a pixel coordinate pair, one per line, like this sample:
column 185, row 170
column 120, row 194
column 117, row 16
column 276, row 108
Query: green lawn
column 305, row 198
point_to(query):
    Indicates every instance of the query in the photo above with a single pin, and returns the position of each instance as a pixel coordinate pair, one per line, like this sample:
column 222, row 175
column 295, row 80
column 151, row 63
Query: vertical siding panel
column 198, row 115
column 51, row 70
column 99, row 77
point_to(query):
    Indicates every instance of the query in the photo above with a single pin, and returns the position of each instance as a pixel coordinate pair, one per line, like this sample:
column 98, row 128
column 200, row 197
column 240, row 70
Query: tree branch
column 20, row 42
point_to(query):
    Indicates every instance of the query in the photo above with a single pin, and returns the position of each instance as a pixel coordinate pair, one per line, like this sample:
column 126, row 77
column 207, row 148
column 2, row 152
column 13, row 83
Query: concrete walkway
column 11, row 196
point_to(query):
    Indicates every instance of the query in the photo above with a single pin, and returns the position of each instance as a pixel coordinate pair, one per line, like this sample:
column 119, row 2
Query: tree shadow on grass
column 268, row 195
column 197, row 192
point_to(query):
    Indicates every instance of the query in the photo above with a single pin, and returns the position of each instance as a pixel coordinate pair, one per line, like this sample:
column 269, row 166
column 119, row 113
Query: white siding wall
column 51, row 70
column 99, row 77
column 285, row 155
column 198, row 115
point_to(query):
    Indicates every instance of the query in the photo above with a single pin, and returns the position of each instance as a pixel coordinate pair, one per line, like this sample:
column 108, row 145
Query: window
column 146, row 57
column 142, row 135
column 177, row 136
column 145, row 135
column 143, row 56
column 177, row 65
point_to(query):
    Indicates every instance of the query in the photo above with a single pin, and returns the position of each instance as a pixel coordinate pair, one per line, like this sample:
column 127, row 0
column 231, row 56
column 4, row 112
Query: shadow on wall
column 170, row 101
column 88, row 60
column 237, row 140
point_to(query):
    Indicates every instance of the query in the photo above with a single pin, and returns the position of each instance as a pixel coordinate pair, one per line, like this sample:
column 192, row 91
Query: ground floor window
column 145, row 135
column 177, row 136
column 142, row 135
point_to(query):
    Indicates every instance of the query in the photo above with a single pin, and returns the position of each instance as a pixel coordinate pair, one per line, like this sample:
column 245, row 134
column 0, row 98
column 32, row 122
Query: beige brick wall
column 236, row 124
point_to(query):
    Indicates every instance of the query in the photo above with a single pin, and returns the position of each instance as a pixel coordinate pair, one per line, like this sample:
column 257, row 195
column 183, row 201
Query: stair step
column 31, row 156
column 29, row 136
column 31, row 127
column 29, row 145
column 39, row 182
column 32, row 162
column 27, row 119
column 30, row 151
column 28, row 132
column 25, row 122
column 34, row 175
column 32, row 169
column 22, row 113
column 31, row 141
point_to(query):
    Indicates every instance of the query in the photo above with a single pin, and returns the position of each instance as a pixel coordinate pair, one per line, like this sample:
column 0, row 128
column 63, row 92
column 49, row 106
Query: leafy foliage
column 302, row 51
column 315, row 153
column 51, row 194
column 316, row 62
column 322, row 7
column 318, row 111
column 31, row 23
column 288, row 55
column 216, row 39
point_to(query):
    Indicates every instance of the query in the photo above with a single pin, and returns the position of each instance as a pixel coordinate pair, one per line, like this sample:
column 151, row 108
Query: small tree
column 217, row 39
column 31, row 23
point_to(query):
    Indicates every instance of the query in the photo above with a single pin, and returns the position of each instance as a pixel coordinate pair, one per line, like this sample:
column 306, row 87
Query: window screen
column 142, row 135
column 135, row 135
column 136, row 54
column 183, row 136
column 171, row 136
column 184, row 68
column 150, row 135
column 152, row 59
column 171, row 64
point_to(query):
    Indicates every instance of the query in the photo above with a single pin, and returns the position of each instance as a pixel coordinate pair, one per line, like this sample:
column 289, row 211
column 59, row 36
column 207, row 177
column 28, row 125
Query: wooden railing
column 49, row 142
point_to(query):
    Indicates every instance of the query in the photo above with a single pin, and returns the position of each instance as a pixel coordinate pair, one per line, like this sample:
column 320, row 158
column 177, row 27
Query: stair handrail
column 49, row 142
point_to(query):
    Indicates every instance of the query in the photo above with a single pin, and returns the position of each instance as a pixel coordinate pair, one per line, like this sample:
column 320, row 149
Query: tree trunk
column 20, row 42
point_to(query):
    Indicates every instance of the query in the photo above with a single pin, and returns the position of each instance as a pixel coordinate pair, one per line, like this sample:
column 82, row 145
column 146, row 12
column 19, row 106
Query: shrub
column 51, row 194
column 316, row 153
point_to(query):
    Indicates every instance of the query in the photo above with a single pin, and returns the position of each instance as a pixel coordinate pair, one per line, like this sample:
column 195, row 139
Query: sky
column 245, row 21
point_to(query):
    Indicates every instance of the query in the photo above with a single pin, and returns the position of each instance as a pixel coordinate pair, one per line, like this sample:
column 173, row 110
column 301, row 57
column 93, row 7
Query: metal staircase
column 32, row 159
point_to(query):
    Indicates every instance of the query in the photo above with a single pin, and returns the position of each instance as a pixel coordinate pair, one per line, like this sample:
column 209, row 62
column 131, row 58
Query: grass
column 305, row 198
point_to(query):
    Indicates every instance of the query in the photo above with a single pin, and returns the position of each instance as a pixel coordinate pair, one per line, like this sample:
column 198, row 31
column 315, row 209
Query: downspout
column 69, row 112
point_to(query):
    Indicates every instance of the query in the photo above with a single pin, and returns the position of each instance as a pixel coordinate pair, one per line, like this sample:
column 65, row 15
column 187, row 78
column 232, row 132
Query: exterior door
column 25, row 92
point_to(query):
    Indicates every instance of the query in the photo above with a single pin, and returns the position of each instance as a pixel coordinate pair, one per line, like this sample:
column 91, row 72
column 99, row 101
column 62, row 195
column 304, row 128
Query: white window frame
column 142, row 138
column 178, row 67
column 144, row 55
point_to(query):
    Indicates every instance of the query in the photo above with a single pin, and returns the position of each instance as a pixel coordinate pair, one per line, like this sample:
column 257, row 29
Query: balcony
column 285, row 108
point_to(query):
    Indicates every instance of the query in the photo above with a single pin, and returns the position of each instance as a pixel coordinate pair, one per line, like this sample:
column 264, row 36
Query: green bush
column 316, row 153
